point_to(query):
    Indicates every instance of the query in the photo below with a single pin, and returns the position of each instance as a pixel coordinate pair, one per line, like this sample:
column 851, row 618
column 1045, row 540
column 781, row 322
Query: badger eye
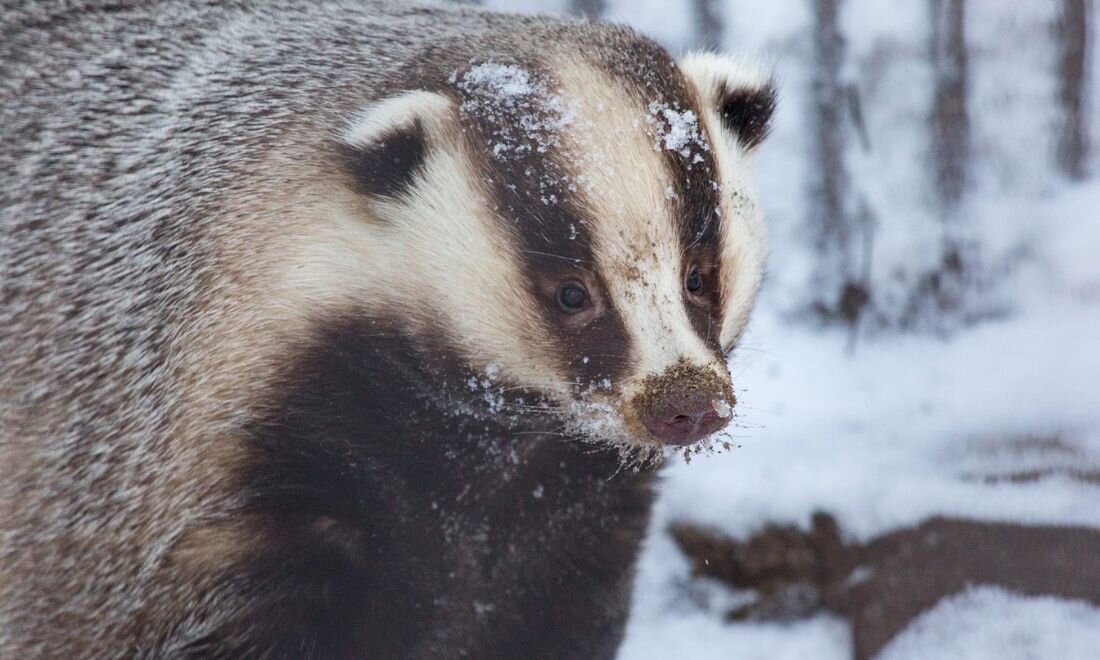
column 694, row 281
column 572, row 297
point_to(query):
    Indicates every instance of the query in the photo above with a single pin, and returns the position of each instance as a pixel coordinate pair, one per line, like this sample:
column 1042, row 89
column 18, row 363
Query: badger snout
column 685, row 404
column 681, row 419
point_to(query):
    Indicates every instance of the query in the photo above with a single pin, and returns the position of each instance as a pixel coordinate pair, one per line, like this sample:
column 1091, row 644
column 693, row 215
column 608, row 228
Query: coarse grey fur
column 142, row 156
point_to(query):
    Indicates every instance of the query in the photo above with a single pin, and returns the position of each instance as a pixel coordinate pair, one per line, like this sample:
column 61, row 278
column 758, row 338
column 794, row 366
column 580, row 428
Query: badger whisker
column 572, row 260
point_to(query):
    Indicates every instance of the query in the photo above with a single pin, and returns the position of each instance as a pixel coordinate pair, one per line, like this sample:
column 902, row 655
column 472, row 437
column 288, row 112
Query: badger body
column 351, row 329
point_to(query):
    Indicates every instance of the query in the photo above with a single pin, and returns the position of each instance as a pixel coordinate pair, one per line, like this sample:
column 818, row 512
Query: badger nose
column 681, row 418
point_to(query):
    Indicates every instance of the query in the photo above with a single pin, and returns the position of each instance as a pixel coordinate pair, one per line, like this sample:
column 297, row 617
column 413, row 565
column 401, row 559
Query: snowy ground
column 907, row 425
column 903, row 429
column 989, row 624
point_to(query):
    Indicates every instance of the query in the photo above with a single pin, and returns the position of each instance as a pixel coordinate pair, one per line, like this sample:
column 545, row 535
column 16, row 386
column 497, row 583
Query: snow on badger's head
column 579, row 232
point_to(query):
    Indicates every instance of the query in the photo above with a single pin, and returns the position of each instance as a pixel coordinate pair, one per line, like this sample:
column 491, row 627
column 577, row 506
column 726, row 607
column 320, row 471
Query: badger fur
column 351, row 329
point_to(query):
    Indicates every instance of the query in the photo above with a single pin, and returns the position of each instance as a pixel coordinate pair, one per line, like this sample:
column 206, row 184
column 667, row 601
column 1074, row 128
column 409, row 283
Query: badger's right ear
column 385, row 147
column 742, row 94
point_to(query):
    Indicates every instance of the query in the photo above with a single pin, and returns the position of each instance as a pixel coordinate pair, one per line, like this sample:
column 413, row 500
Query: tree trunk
column 950, row 122
column 829, row 217
column 1073, row 66
column 941, row 295
column 709, row 24
column 589, row 8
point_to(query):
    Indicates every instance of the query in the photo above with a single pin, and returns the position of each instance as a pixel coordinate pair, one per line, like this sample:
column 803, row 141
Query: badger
column 354, row 329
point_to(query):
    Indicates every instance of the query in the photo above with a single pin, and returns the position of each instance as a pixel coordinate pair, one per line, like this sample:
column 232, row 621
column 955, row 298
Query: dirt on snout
column 681, row 381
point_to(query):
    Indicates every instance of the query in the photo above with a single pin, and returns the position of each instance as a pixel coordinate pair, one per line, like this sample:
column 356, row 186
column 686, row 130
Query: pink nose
column 681, row 418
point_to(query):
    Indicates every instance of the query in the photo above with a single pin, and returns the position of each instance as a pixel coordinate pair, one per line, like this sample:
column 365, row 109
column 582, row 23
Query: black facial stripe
column 389, row 165
column 593, row 352
column 700, row 206
column 705, row 311
column 697, row 201
column 600, row 351
column 695, row 181
column 536, row 198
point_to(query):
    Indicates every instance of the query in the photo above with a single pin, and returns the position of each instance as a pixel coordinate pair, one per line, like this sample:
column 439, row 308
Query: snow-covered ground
column 905, row 425
column 905, row 428
column 990, row 624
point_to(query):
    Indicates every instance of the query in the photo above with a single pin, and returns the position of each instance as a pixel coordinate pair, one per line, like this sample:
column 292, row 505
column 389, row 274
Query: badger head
column 581, row 230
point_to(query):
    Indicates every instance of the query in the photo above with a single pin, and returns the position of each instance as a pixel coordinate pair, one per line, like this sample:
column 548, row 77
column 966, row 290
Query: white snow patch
column 525, row 113
column 677, row 130
column 700, row 637
column 505, row 82
column 906, row 428
column 723, row 408
column 986, row 623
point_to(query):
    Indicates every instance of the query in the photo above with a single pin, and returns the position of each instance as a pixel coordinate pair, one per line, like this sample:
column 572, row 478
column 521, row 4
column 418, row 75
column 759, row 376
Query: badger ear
column 384, row 147
column 742, row 94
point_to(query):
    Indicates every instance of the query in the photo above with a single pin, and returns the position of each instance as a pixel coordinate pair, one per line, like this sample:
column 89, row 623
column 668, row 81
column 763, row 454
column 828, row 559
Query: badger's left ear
column 743, row 95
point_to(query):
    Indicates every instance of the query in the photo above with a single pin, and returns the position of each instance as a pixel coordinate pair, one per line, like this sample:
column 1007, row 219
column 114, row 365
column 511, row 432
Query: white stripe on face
column 627, row 188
